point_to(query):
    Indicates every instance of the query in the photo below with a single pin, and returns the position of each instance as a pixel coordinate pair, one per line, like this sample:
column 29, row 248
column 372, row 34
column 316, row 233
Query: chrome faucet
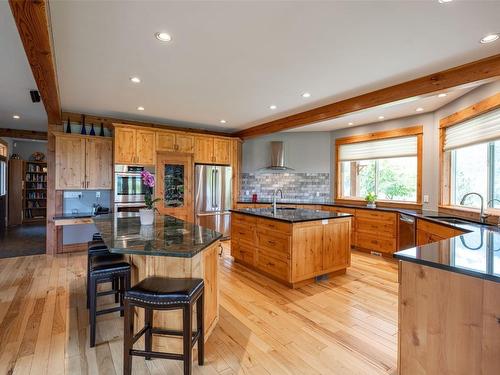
column 275, row 193
column 492, row 201
column 482, row 215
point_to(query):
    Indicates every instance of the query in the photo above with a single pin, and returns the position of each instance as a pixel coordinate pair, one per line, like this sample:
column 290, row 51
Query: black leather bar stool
column 96, row 236
column 106, row 268
column 95, row 248
column 159, row 293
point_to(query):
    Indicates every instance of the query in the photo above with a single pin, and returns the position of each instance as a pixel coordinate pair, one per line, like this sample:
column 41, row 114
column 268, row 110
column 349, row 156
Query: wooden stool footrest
column 143, row 353
column 110, row 310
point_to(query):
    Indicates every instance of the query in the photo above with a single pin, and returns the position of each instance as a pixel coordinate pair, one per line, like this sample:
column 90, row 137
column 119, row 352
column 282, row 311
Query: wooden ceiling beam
column 25, row 134
column 475, row 71
column 109, row 121
column 33, row 24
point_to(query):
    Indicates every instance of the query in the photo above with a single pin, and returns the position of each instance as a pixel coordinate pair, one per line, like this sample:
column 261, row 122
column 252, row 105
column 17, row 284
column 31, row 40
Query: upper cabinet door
column 184, row 143
column 222, row 151
column 70, row 163
column 125, row 146
column 99, row 163
column 165, row 141
column 146, row 150
column 204, row 150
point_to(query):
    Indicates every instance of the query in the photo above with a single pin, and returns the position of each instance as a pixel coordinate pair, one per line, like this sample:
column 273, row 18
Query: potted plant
column 147, row 214
column 370, row 199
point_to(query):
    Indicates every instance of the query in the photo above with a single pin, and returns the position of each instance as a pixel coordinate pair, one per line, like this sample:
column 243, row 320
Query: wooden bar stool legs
column 164, row 294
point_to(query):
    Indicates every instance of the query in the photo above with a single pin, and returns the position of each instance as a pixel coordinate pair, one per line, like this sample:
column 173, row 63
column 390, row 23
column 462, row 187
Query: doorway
column 23, row 197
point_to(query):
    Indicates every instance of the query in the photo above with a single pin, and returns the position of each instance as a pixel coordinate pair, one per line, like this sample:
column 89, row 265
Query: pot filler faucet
column 275, row 193
column 483, row 216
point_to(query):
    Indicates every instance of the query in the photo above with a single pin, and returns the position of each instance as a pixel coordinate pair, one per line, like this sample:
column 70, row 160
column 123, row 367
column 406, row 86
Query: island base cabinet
column 203, row 265
column 448, row 322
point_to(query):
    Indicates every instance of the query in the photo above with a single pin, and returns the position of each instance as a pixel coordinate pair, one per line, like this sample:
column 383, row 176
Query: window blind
column 380, row 149
column 484, row 128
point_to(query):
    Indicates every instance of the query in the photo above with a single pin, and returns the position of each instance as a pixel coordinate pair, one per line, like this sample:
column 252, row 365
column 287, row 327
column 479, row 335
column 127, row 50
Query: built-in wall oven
column 129, row 189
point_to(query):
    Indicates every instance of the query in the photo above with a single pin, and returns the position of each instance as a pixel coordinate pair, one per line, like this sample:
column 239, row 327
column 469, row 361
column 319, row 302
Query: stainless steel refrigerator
column 213, row 197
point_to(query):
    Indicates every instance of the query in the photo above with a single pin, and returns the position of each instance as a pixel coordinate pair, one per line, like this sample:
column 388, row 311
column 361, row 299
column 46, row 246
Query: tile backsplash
column 299, row 186
column 82, row 201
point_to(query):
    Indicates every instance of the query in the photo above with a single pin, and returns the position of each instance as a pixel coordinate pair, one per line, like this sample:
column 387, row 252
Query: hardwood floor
column 346, row 325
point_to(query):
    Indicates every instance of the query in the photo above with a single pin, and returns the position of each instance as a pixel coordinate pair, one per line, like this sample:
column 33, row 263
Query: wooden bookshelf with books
column 35, row 191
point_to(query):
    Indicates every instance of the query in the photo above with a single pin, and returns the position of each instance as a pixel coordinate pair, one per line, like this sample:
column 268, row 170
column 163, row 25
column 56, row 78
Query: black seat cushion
column 96, row 244
column 96, row 236
column 163, row 290
column 108, row 263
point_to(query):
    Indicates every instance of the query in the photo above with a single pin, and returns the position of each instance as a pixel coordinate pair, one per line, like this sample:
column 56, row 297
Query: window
column 385, row 163
column 471, row 153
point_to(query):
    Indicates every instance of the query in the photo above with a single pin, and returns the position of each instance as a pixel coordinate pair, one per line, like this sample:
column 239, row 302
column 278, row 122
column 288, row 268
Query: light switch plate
column 98, row 194
column 426, row 198
column 72, row 194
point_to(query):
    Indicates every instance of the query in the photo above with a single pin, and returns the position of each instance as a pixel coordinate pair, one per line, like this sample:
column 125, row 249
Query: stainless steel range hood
column 277, row 158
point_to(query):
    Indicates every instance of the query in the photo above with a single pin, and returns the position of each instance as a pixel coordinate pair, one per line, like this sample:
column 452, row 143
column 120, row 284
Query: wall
column 430, row 122
column 26, row 148
column 308, row 153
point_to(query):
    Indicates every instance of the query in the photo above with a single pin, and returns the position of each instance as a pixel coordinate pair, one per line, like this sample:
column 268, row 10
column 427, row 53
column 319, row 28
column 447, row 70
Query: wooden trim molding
column 417, row 131
column 477, row 109
column 25, row 134
column 33, row 24
column 109, row 121
column 475, row 71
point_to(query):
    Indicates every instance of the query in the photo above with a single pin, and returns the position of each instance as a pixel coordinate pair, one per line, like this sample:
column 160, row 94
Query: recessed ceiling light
column 419, row 109
column 272, row 106
column 442, row 95
column 445, row 1
column 135, row 79
column 163, row 37
column 381, row 117
column 489, row 38
column 350, row 124
column 140, row 108
column 223, row 121
column 306, row 95
column 16, row 117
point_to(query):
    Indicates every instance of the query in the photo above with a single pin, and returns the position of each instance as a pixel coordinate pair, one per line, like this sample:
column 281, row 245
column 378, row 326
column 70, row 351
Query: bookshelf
column 35, row 191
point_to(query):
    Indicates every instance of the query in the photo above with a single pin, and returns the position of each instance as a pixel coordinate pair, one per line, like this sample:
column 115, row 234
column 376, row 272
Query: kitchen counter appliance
column 129, row 190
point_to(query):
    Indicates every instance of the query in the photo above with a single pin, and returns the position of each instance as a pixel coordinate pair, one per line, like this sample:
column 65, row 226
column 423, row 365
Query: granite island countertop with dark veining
column 122, row 233
column 297, row 215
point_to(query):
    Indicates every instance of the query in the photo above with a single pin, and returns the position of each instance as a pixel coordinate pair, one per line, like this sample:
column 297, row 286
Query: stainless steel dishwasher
column 406, row 232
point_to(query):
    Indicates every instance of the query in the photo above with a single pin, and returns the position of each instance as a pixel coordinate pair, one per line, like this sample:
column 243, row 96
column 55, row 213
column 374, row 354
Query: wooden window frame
column 489, row 104
column 416, row 130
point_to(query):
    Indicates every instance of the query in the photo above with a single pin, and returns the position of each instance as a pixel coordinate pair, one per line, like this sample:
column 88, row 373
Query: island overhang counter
column 292, row 246
column 169, row 248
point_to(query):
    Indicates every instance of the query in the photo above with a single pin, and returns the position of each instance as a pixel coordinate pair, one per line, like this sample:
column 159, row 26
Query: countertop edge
column 238, row 211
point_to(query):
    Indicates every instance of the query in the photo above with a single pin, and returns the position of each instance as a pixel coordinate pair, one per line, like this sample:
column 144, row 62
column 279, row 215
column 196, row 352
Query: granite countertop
column 291, row 215
column 122, row 233
column 475, row 253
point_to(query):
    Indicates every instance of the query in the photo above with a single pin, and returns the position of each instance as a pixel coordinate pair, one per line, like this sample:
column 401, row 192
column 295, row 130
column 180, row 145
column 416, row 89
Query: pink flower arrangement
column 148, row 179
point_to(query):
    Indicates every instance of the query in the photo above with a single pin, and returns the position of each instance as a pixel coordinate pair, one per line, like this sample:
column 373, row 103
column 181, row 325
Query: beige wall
column 430, row 122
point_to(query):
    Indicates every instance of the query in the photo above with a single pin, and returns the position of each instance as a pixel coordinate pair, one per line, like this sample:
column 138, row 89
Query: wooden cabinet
column 83, row 162
column 134, row 146
column 377, row 230
column 70, row 162
column 210, row 150
column 291, row 253
column 174, row 142
column 428, row 232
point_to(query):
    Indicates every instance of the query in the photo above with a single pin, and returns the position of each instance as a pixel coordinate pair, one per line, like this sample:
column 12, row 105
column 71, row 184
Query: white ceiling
column 16, row 80
column 231, row 60
column 390, row 111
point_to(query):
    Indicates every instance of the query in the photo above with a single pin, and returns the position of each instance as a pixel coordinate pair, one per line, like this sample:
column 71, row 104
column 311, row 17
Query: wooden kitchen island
column 168, row 248
column 292, row 246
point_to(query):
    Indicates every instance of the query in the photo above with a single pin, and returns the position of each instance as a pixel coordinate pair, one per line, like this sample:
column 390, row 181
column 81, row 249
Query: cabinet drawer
column 246, row 233
column 243, row 219
column 436, row 229
column 276, row 243
column 387, row 217
column 243, row 252
column 274, row 225
column 377, row 228
column 273, row 266
column 366, row 241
